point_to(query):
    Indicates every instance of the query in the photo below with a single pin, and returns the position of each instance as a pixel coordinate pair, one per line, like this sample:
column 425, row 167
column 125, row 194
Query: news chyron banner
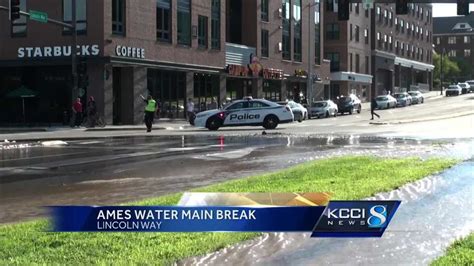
column 314, row 213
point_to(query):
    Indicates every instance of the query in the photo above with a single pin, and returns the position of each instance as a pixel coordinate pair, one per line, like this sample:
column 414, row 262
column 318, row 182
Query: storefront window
column 184, row 22
column 271, row 90
column 169, row 89
column 81, row 16
column 206, row 89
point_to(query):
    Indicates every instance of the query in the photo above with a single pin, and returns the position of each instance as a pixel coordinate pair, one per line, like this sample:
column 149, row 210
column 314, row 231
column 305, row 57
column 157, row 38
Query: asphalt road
column 391, row 121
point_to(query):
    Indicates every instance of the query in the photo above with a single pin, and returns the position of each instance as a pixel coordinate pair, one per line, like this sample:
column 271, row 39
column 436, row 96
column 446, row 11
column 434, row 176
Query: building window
column 202, row 31
column 216, row 24
column 452, row 53
column 18, row 27
column 366, row 36
column 163, row 20
column 350, row 32
column 467, row 39
column 357, row 63
column 334, row 57
column 357, row 33
column 390, row 44
column 357, row 8
column 390, row 18
column 286, row 41
column 184, row 22
column 367, row 65
column 118, row 17
column 297, row 28
column 402, row 26
column 421, row 33
column 317, row 32
column 379, row 14
column 264, row 43
column 264, row 10
column 366, row 12
column 330, row 6
column 385, row 15
column 396, row 24
column 81, row 16
column 332, row 31
column 451, row 40
column 350, row 62
column 467, row 52
column 396, row 47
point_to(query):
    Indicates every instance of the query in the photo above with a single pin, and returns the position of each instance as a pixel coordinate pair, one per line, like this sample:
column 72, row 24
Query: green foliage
column 459, row 253
column 451, row 69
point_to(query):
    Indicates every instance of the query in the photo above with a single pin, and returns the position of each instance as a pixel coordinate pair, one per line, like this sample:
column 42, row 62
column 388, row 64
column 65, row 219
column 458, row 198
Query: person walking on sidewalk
column 190, row 109
column 150, row 110
column 373, row 106
column 77, row 113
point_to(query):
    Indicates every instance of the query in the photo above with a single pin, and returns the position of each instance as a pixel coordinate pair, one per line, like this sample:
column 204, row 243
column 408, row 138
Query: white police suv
column 246, row 112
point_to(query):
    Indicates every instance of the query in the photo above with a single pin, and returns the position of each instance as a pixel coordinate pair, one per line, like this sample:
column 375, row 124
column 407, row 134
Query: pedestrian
column 373, row 106
column 150, row 110
column 91, row 112
column 190, row 109
column 77, row 111
column 212, row 105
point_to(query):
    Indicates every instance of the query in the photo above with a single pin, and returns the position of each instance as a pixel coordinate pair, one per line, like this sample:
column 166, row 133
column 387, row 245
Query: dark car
column 349, row 104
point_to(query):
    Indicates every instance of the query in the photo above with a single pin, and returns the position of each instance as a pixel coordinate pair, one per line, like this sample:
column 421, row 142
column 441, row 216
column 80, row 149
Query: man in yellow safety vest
column 150, row 110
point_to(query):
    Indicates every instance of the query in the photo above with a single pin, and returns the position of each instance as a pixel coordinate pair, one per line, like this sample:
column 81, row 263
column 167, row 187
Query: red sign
column 270, row 73
column 236, row 70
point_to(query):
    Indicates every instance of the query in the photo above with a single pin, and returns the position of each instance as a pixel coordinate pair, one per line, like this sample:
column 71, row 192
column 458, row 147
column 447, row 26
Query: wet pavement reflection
column 117, row 170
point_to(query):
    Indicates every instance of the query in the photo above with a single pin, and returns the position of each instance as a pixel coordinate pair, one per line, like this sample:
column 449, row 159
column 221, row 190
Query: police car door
column 233, row 113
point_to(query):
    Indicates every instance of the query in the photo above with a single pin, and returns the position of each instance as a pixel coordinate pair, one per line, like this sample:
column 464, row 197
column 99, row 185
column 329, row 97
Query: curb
column 421, row 120
column 122, row 129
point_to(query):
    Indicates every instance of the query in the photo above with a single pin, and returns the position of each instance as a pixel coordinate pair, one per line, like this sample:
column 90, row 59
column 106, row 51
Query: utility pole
column 74, row 51
column 441, row 74
column 309, row 86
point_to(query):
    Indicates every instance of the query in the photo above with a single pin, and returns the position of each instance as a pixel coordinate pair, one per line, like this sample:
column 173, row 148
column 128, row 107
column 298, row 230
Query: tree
column 451, row 69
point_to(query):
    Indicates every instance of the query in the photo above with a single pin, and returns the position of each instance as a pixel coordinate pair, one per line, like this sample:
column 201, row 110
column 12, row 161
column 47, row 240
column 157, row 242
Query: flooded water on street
column 118, row 170
column 434, row 212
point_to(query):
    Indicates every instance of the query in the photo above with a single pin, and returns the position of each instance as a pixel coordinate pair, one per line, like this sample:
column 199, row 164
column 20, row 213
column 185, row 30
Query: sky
column 447, row 10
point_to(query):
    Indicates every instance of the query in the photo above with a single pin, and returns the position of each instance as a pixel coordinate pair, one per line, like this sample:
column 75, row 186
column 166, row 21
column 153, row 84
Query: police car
column 246, row 112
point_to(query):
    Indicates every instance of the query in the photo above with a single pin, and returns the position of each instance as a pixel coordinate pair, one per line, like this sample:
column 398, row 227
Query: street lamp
column 441, row 74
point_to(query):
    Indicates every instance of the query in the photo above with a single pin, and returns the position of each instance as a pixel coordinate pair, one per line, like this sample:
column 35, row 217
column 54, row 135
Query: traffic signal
column 82, row 77
column 343, row 9
column 401, row 7
column 14, row 10
column 463, row 7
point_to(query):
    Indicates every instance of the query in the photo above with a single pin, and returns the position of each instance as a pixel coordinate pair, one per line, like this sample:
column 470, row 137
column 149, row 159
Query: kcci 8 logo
column 378, row 216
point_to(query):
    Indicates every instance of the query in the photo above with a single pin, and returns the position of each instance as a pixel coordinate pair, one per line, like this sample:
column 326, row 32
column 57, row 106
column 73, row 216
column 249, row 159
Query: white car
column 386, row 102
column 323, row 109
column 299, row 111
column 453, row 90
column 465, row 87
column 471, row 83
column 247, row 112
column 403, row 99
column 417, row 97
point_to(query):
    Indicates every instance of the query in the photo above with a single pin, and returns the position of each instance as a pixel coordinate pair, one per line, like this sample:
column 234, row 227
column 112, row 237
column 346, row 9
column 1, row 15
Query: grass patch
column 348, row 178
column 459, row 253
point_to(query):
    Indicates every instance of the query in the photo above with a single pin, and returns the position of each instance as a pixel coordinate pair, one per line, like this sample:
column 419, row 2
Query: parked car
column 323, row 109
column 453, row 90
column 403, row 99
column 349, row 104
column 465, row 87
column 471, row 83
column 385, row 102
column 416, row 97
column 300, row 113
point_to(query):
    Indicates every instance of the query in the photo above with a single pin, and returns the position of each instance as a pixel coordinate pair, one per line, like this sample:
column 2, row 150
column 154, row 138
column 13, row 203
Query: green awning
column 22, row 92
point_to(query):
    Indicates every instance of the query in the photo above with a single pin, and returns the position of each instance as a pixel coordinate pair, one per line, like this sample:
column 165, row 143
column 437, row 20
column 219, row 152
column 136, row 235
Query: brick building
column 454, row 36
column 172, row 49
column 377, row 51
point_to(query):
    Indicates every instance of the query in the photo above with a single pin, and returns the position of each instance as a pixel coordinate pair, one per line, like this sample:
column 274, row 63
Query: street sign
column 39, row 16
column 368, row 4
